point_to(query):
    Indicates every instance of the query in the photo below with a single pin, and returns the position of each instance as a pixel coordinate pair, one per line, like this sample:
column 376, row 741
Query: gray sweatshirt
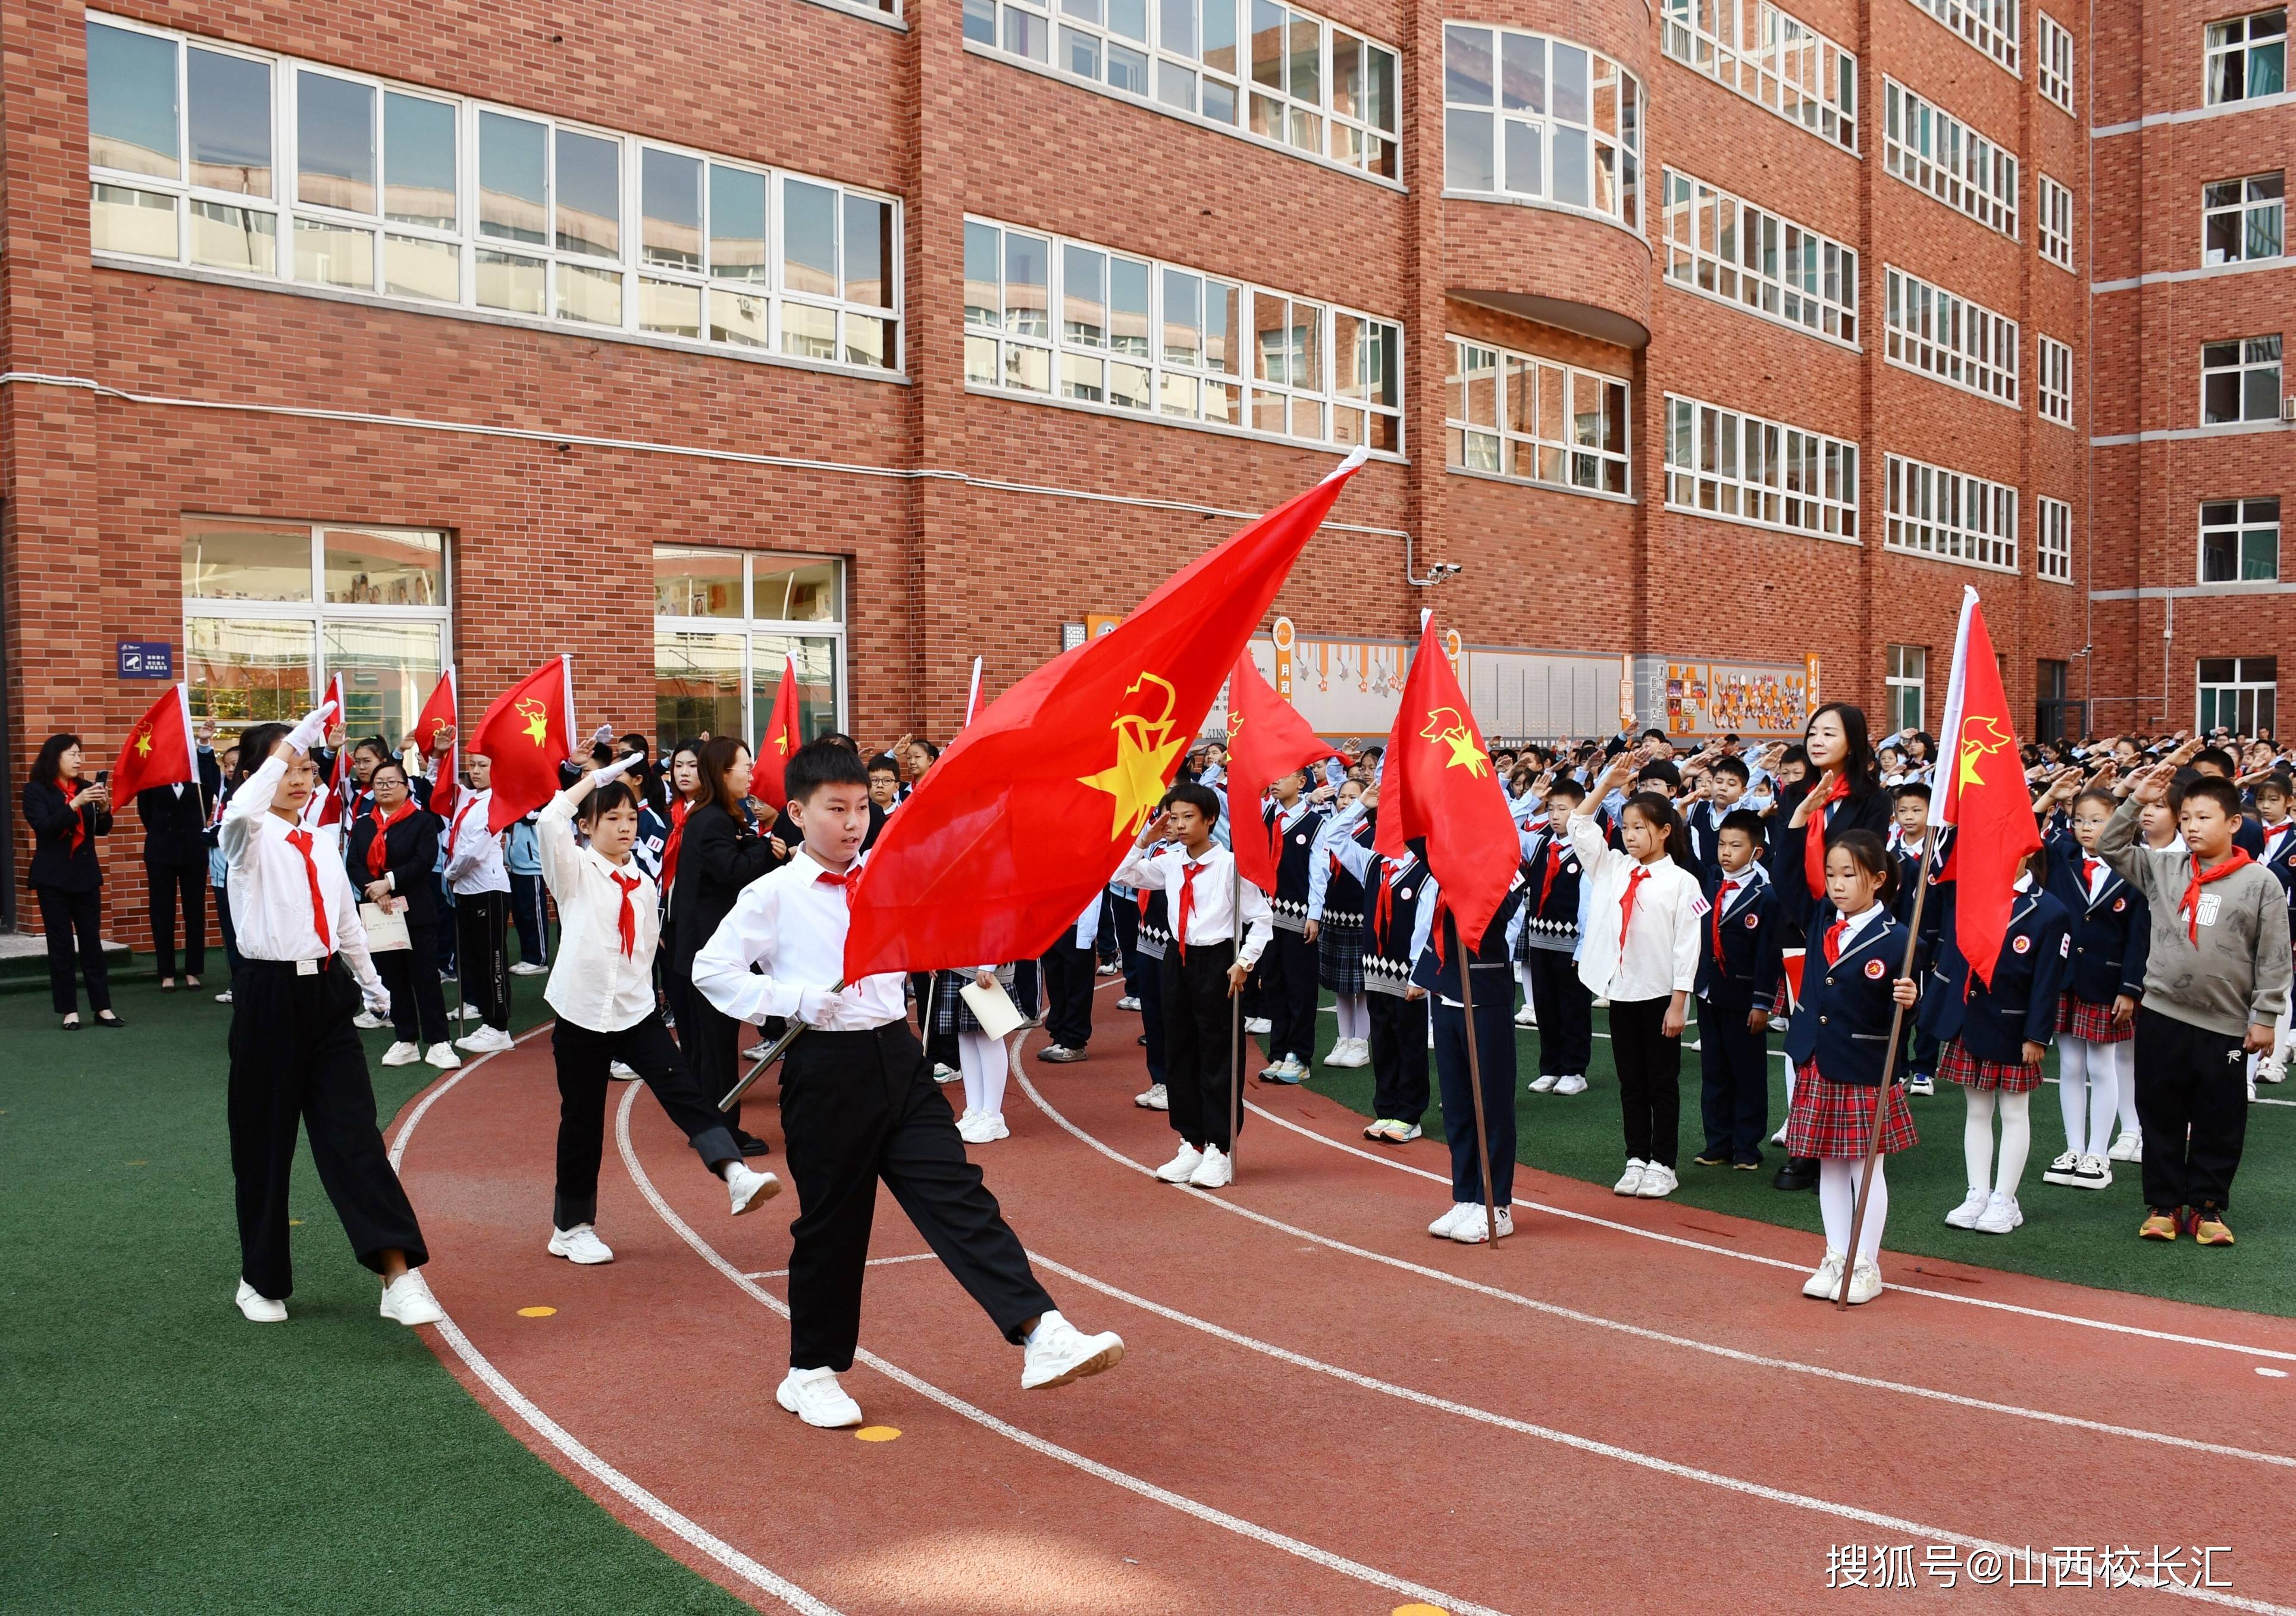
column 2239, row 972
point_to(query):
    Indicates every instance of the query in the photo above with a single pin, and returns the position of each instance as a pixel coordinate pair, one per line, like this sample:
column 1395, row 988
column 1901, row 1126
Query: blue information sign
column 146, row 660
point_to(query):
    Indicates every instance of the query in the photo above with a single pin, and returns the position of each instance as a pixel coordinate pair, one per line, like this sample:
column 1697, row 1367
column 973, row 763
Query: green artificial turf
column 2087, row 1236
column 159, row 1453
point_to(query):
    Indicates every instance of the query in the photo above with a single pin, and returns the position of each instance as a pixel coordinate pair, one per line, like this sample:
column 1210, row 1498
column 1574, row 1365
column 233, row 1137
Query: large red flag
column 1266, row 740
column 438, row 719
column 158, row 750
column 525, row 734
column 1439, row 784
column 781, row 737
column 1029, row 811
column 1983, row 797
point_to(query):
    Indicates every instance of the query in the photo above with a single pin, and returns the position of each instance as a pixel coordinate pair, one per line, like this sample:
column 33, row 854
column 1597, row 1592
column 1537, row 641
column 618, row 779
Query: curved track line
column 1037, row 1444
column 687, row 1531
column 1644, row 1332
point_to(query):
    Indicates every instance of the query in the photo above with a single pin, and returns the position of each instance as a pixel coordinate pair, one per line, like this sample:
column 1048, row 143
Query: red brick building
column 1715, row 346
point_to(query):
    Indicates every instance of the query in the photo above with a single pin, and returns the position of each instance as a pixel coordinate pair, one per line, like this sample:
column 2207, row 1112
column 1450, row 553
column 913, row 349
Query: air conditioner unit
column 2288, row 408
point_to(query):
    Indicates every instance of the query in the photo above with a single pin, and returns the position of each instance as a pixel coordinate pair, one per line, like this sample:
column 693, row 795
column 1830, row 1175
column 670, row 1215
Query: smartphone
column 102, row 776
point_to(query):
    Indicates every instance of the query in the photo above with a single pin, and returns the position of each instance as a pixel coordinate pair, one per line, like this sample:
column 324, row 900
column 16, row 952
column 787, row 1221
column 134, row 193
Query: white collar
column 2024, row 881
column 1855, row 924
column 1753, row 875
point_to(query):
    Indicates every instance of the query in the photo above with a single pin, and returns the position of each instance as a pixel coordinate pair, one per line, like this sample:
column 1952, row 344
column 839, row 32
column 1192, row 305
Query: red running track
column 1322, row 1409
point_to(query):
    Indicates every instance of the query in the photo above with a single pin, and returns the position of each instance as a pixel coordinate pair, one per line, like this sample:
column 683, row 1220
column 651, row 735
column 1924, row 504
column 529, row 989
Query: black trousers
column 1650, row 1079
column 482, row 930
column 858, row 1107
column 940, row 1047
column 296, row 1059
column 1734, row 1066
column 531, row 916
column 1069, row 982
column 231, row 955
column 711, row 1042
column 1565, row 1011
column 1124, row 915
column 1200, row 1044
column 1495, row 1051
column 168, row 882
column 584, row 1058
column 66, row 917
column 2189, row 1080
column 418, row 1002
column 1398, row 1056
column 1290, row 1005
column 449, row 933
column 1151, row 993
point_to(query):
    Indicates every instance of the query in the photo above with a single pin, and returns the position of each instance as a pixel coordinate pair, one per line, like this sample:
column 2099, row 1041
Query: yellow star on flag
column 781, row 743
column 538, row 720
column 1446, row 726
column 143, row 742
column 1144, row 751
column 1980, row 737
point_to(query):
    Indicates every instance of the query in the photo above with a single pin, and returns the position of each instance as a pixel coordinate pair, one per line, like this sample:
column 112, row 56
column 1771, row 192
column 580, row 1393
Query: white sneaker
column 442, row 1055
column 2094, row 1173
column 402, row 1054
column 1779, row 1137
column 1214, row 1171
column 1288, row 1070
column 1972, row 1208
column 1865, row 1281
column 815, row 1397
column 1474, row 1228
column 1411, row 1131
column 1442, row 1226
column 1821, row 1284
column 470, row 1013
column 2274, row 1070
column 1110, row 969
column 1259, row 1024
column 621, row 1072
column 1127, row 1002
column 408, row 1300
column 757, row 1051
column 1658, row 1182
column 1058, row 1352
column 486, row 1040
column 2001, row 1214
column 968, row 1129
column 1539, row 1085
column 224, row 997
column 2062, row 1170
column 747, row 1188
column 1181, row 1167
column 580, row 1244
column 1572, row 1084
column 2129, row 1147
column 1152, row 1098
column 945, row 1074
column 987, row 1126
column 367, row 1021
column 527, row 967
column 1525, row 1017
column 259, row 1309
column 1630, row 1182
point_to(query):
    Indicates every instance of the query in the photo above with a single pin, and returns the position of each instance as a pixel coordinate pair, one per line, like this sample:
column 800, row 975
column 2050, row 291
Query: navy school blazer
column 1844, row 1017
column 2020, row 1007
column 2112, row 934
column 1744, row 974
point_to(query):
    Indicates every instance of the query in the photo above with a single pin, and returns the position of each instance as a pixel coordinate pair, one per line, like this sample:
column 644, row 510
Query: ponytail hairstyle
column 1872, row 858
column 1659, row 813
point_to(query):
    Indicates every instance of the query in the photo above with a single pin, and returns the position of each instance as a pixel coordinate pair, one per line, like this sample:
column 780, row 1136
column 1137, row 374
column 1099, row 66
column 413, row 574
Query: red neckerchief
column 1553, row 865
column 2088, row 873
column 1834, row 941
column 70, row 789
column 377, row 855
column 461, row 814
column 1722, row 902
column 627, row 922
column 2189, row 906
column 1383, row 904
column 678, row 810
column 1187, row 904
column 300, row 840
column 843, row 883
column 1813, row 846
column 1627, row 904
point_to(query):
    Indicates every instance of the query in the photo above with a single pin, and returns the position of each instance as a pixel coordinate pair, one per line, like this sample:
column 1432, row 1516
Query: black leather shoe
column 1799, row 1173
column 751, row 1145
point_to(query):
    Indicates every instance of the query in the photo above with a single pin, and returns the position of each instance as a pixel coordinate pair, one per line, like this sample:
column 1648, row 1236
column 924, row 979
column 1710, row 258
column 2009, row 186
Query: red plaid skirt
column 1834, row 1120
column 2091, row 1022
column 2011, row 1077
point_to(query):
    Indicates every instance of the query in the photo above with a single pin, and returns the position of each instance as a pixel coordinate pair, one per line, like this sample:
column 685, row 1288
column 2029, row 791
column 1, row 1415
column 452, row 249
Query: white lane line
column 1029, row 1440
column 874, row 1262
column 1899, row 1286
column 647, row 1504
column 1689, row 1343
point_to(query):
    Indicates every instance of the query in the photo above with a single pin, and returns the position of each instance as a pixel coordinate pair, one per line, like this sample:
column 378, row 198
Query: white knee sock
column 2125, row 1099
column 1790, row 1081
column 1977, row 1138
column 2108, row 1081
column 2016, row 1142
column 982, row 1059
column 1354, row 1016
column 1877, row 1209
column 1837, row 1191
column 2075, row 1058
column 1522, row 975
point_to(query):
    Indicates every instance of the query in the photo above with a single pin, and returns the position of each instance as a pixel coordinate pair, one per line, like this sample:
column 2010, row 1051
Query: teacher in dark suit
column 393, row 859
column 66, row 817
column 175, row 863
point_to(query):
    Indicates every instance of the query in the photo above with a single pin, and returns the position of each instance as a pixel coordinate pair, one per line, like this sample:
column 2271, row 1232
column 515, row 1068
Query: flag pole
column 1236, row 1004
column 773, row 1052
column 1474, row 1079
column 1889, row 1072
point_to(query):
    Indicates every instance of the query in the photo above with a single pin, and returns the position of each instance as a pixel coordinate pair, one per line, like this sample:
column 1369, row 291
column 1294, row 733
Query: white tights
column 984, row 1064
column 1837, row 1197
column 1353, row 1013
column 2092, row 1085
column 2016, row 1138
column 1522, row 975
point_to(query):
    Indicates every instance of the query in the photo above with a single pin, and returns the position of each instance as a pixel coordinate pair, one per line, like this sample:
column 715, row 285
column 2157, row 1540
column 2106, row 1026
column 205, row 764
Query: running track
column 1323, row 1410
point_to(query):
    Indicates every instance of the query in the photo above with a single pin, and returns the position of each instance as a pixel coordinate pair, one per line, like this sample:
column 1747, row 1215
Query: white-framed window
column 1737, row 467
column 2240, row 381
column 1048, row 317
column 2247, row 57
column 1931, row 150
column 1276, row 74
column 2054, row 54
column 725, row 623
column 2055, row 391
column 1950, row 515
column 290, row 172
column 1769, row 56
column 1761, row 261
column 2240, row 540
column 1536, row 419
column 2238, row 692
column 2243, row 220
column 1989, row 26
column 273, row 610
column 1540, row 118
column 1949, row 339
column 2053, row 226
column 2053, row 539
column 1907, row 677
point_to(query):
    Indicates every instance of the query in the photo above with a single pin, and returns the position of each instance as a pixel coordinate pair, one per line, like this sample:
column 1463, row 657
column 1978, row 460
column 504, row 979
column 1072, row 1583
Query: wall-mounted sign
column 146, row 660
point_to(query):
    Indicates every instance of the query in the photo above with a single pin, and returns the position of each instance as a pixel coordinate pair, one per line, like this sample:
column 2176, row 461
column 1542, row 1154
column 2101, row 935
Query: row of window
column 1739, row 467
column 1541, row 120
column 1932, row 151
column 1950, row 338
column 1727, row 248
column 1989, row 25
column 1534, row 420
column 1771, row 58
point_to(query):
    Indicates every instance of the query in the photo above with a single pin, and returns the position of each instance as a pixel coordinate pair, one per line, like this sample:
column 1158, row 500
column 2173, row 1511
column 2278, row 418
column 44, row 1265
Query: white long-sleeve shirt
column 269, row 882
column 791, row 922
column 474, row 854
column 1660, row 956
column 593, row 983
column 1209, row 918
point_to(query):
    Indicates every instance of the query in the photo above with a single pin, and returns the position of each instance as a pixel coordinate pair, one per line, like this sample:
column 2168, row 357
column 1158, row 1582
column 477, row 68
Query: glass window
column 250, row 670
column 1541, row 118
column 2247, row 57
column 1907, row 678
column 698, row 686
column 1536, row 419
column 513, row 190
column 671, row 188
column 334, row 143
column 2240, row 540
column 2240, row 381
column 418, row 161
column 1989, row 25
column 817, row 659
column 1931, row 150
column 697, row 582
column 131, row 103
column 1724, row 247
column 1770, row 57
column 2239, row 693
column 2243, row 220
column 230, row 99
column 1736, row 467
column 802, row 594
column 809, row 239
column 1950, row 339
column 2052, row 544
column 2056, row 231
column 2056, row 54
column 718, row 666
column 1950, row 515
column 388, row 670
column 589, row 195
column 227, row 561
column 384, row 566
column 122, row 219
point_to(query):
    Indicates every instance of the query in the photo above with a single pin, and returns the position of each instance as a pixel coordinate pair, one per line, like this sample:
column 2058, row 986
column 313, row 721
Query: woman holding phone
column 67, row 815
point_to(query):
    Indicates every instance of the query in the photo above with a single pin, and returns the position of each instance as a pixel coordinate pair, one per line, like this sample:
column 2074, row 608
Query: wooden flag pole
column 1235, row 1007
column 1474, row 1078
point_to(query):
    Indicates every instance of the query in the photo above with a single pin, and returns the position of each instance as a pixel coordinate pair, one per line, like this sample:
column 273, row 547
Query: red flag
column 1984, row 796
column 158, row 750
column 1029, row 811
column 1439, row 784
column 780, row 738
column 436, row 718
column 1266, row 740
column 525, row 734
